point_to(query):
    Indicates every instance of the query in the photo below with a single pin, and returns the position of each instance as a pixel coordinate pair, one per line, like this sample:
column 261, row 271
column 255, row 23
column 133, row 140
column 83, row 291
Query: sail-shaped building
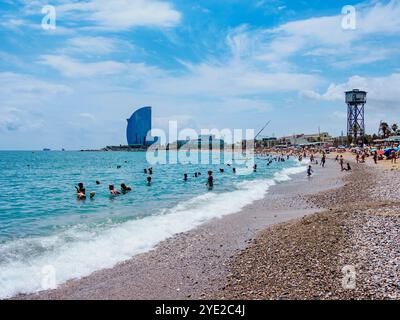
column 139, row 127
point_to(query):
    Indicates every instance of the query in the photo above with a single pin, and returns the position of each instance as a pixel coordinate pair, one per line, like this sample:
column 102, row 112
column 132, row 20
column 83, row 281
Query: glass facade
column 139, row 125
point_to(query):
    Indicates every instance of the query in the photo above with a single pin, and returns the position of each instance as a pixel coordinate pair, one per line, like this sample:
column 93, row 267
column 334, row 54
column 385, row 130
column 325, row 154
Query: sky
column 220, row 64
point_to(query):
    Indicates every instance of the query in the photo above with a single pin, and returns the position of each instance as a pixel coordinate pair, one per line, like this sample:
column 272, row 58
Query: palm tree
column 384, row 128
column 395, row 128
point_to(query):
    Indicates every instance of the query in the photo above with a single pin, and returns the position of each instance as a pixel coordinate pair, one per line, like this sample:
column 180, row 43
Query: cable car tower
column 355, row 100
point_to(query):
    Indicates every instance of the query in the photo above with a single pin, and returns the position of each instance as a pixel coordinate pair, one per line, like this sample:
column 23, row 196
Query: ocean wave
column 81, row 250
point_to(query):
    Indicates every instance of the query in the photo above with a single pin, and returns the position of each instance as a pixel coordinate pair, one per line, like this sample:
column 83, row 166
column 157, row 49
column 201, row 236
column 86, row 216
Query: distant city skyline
column 206, row 64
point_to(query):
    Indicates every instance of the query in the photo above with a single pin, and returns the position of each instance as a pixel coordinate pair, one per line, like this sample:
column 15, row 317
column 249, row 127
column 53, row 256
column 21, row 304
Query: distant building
column 202, row 142
column 307, row 139
column 139, row 127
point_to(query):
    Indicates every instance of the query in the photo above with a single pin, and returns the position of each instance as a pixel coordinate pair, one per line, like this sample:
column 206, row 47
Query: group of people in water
column 81, row 191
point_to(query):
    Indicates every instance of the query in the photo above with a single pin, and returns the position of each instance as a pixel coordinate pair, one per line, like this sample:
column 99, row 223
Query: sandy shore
column 292, row 244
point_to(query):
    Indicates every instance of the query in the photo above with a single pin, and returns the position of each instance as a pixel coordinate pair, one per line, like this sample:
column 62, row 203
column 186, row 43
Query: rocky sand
column 308, row 258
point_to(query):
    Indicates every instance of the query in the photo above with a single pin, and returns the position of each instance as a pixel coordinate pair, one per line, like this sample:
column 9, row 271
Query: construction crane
column 255, row 138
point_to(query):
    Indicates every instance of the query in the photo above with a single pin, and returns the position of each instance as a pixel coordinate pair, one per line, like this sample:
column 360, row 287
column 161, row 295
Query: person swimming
column 196, row 174
column 145, row 171
column 80, row 191
column 210, row 180
column 221, row 170
column 125, row 188
column 113, row 191
column 150, row 171
column 97, row 182
column 148, row 180
column 185, row 177
column 234, row 170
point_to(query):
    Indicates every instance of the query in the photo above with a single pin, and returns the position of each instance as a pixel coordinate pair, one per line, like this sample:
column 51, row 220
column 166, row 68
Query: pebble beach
column 305, row 258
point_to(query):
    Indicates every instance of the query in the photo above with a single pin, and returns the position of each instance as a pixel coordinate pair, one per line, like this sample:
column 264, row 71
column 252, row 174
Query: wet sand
column 196, row 264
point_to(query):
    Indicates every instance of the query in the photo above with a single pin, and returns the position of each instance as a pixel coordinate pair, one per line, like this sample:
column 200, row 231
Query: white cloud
column 381, row 90
column 13, row 119
column 122, row 14
column 95, row 45
column 74, row 68
column 17, row 85
column 324, row 37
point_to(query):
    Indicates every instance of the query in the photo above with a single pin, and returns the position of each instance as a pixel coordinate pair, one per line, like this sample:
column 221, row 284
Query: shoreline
column 190, row 265
column 356, row 231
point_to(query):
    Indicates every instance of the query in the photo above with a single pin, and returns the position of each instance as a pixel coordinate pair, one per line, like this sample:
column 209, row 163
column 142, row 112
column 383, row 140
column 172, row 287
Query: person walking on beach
column 393, row 156
column 323, row 160
column 210, row 180
column 341, row 162
column 376, row 157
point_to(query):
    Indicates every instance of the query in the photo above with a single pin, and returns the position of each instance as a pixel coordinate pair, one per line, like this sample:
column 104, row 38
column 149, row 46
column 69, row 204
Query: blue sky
column 207, row 64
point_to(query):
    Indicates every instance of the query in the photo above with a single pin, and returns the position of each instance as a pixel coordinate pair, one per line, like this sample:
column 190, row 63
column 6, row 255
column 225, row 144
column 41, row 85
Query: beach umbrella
column 380, row 152
column 388, row 152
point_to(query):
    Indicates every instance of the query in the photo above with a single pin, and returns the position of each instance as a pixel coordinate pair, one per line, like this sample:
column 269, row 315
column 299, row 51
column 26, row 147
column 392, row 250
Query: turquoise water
column 42, row 223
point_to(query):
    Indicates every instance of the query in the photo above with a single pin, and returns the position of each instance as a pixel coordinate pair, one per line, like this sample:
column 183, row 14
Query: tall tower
column 355, row 100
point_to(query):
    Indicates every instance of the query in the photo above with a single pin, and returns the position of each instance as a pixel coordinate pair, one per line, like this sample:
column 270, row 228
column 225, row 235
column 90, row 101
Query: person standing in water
column 309, row 171
column 149, row 180
column 185, row 177
column 210, row 180
column 80, row 191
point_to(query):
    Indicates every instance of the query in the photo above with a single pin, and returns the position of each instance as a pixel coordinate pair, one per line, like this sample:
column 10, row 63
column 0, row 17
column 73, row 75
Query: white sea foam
column 80, row 250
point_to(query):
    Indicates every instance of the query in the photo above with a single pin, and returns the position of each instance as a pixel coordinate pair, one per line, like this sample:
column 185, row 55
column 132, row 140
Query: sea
column 45, row 229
